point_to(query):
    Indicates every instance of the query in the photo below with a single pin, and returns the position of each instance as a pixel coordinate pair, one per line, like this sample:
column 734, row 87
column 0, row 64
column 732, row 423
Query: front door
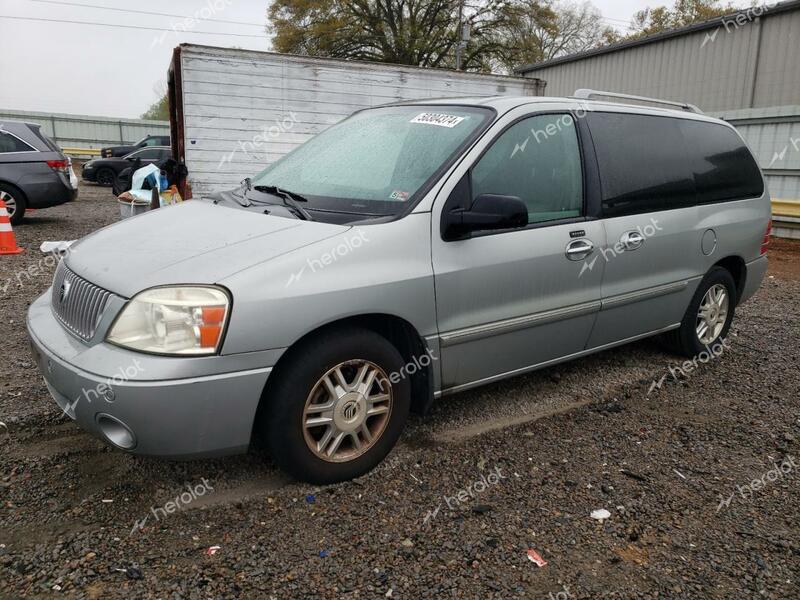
column 511, row 300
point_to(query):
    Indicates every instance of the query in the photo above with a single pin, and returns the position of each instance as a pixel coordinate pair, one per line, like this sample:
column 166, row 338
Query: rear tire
column 333, row 413
column 15, row 202
column 710, row 312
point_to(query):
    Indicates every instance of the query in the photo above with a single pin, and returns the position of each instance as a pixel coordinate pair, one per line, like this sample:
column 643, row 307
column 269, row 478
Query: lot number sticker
column 440, row 120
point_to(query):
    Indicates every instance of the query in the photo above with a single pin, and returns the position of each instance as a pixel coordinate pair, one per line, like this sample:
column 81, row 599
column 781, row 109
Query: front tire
column 337, row 408
column 105, row 177
column 708, row 319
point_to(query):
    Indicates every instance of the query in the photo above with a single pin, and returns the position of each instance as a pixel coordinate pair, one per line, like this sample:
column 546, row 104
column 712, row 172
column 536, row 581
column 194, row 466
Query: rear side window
column 149, row 154
column 11, row 143
column 643, row 163
column 47, row 141
column 723, row 167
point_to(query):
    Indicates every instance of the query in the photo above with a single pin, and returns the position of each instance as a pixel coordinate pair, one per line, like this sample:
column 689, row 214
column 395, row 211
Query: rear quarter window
column 722, row 165
column 45, row 140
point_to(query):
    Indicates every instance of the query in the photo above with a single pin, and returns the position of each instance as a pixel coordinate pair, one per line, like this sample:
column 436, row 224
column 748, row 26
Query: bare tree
column 541, row 31
column 411, row 32
column 685, row 12
column 504, row 33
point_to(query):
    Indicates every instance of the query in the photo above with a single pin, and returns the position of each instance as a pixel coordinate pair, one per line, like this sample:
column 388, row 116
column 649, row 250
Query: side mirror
column 489, row 212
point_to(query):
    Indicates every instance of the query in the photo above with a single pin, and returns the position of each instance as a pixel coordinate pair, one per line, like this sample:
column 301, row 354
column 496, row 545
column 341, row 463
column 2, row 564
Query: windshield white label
column 440, row 120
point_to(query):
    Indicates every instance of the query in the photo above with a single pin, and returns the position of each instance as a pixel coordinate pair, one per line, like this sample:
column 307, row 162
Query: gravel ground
column 698, row 478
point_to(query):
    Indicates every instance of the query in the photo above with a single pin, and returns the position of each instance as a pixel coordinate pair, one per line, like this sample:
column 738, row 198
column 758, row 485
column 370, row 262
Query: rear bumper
column 754, row 276
column 197, row 416
column 44, row 192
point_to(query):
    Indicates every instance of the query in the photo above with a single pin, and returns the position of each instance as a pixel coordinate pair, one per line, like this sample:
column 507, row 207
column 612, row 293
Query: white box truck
column 233, row 112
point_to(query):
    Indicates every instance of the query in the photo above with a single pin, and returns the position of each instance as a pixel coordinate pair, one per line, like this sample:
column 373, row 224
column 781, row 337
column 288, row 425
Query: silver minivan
column 409, row 252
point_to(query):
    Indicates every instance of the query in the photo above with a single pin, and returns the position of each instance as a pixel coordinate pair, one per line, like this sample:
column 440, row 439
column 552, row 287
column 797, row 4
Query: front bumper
column 130, row 401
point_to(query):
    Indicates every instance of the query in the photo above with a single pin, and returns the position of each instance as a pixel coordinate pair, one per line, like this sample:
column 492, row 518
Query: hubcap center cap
column 350, row 412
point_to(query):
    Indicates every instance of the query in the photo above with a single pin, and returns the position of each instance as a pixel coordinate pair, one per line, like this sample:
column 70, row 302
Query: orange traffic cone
column 8, row 241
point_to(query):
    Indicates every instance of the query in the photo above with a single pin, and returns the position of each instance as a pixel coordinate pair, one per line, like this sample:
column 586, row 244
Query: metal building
column 744, row 68
column 84, row 135
column 749, row 59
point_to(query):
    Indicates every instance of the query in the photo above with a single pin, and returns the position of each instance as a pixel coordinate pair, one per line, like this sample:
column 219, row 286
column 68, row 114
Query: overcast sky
column 53, row 66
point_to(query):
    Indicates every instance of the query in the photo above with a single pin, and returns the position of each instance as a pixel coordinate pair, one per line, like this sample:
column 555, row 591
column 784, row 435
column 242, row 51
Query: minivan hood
column 194, row 242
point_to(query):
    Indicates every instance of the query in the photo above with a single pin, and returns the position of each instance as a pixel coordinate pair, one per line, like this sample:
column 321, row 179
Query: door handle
column 633, row 240
column 579, row 249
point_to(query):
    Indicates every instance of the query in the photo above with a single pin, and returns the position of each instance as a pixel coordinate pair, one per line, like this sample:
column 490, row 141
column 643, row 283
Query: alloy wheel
column 105, row 177
column 11, row 203
column 347, row 411
column 713, row 314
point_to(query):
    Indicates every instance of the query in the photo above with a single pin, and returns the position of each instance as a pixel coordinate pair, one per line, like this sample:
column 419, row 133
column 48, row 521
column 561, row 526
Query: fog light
column 116, row 432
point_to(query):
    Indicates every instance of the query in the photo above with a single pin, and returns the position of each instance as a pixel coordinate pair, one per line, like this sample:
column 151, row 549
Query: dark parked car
column 150, row 140
column 34, row 173
column 105, row 170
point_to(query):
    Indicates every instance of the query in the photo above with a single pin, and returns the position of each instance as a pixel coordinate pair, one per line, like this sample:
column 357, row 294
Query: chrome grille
column 78, row 304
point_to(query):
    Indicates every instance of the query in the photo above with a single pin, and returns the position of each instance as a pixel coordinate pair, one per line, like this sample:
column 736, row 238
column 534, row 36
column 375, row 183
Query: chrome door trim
column 478, row 332
column 645, row 294
column 493, row 379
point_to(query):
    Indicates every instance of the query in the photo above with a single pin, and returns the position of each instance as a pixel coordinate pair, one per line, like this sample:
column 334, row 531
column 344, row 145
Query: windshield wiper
column 276, row 191
column 290, row 199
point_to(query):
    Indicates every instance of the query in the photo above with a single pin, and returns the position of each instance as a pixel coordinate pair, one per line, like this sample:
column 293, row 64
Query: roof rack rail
column 590, row 94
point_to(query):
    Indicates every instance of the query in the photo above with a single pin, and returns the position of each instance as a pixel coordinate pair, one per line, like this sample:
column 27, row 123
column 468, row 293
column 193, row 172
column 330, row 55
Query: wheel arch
column 736, row 266
column 8, row 183
column 398, row 331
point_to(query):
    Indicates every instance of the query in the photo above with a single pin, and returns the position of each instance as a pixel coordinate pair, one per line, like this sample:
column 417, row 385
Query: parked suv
column 411, row 251
column 150, row 140
column 34, row 173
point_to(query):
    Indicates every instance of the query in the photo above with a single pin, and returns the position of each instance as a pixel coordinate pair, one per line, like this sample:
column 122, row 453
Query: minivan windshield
column 378, row 161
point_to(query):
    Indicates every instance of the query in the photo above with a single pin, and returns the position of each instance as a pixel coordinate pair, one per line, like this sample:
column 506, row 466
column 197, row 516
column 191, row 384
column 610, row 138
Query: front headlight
column 177, row 320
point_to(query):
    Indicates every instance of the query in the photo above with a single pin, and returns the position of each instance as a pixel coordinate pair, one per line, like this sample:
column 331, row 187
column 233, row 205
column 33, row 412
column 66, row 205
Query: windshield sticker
column 401, row 196
column 440, row 120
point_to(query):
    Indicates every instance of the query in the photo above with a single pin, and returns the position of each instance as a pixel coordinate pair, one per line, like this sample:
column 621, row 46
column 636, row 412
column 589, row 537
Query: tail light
column 765, row 244
column 58, row 165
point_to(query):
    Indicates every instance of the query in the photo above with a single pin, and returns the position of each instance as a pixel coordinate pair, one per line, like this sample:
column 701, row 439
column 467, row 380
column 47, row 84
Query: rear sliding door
column 650, row 215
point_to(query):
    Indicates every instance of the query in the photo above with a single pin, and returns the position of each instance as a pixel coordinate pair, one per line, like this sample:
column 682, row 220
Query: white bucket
column 131, row 209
